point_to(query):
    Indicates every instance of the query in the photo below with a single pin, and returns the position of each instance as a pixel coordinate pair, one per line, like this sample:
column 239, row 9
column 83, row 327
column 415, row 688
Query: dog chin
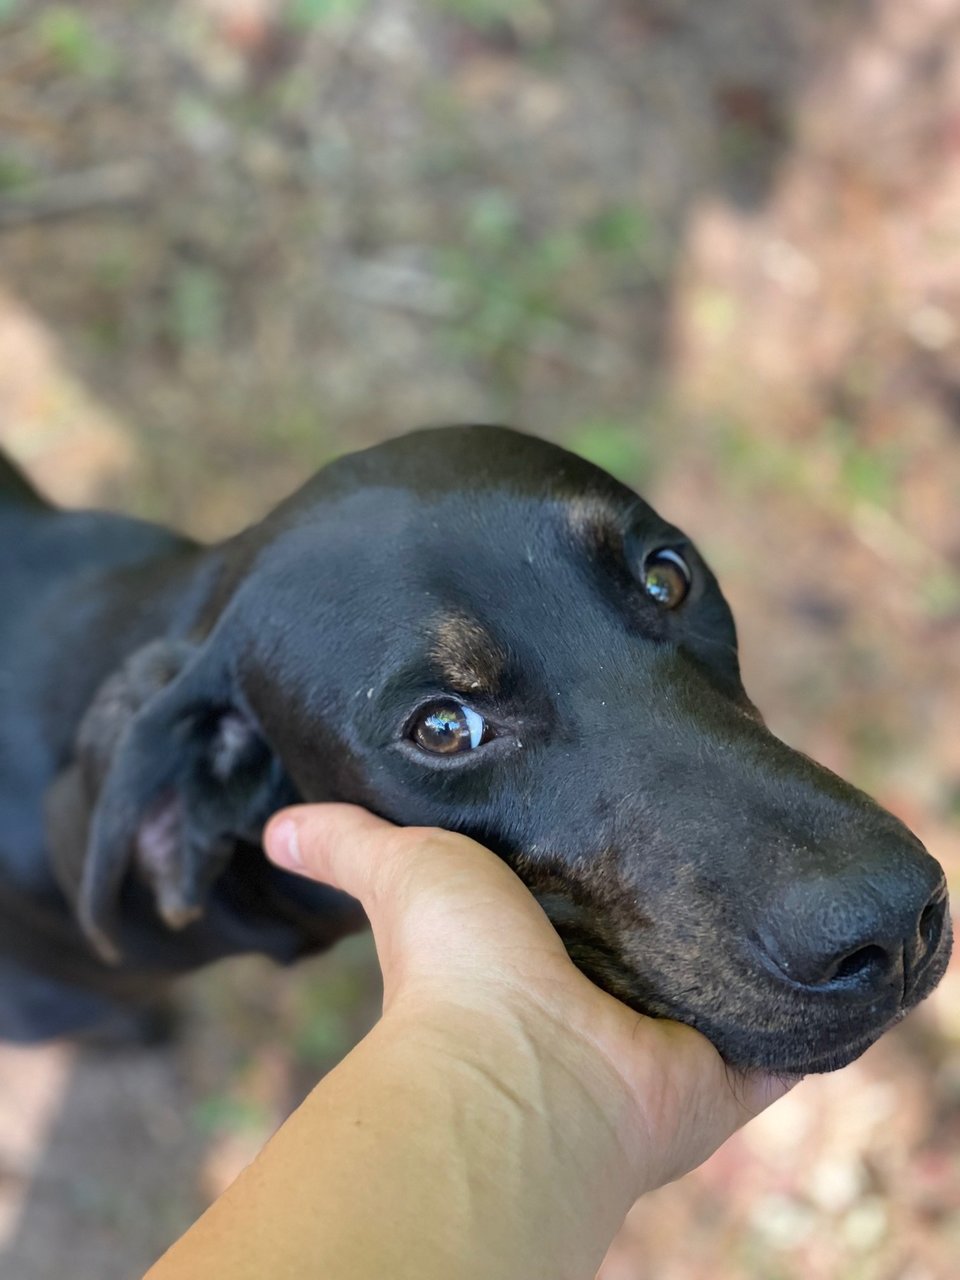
column 806, row 1050
column 811, row 1042
column 744, row 1053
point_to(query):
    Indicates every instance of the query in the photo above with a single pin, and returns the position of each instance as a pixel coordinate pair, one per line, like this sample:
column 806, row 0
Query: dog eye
column 666, row 578
column 446, row 727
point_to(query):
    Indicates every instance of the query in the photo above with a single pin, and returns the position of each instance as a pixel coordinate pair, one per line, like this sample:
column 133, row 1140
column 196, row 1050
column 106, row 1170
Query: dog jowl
column 473, row 629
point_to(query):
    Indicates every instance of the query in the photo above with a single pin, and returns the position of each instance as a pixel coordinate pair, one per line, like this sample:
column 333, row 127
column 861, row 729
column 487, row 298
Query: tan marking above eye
column 466, row 655
column 594, row 522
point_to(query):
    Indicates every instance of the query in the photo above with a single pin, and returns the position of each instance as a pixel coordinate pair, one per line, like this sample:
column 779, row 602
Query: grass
column 832, row 468
column 309, row 13
column 623, row 448
column 521, row 287
column 68, row 36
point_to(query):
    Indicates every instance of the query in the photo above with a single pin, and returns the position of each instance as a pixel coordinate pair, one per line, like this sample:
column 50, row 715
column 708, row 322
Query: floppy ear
column 170, row 774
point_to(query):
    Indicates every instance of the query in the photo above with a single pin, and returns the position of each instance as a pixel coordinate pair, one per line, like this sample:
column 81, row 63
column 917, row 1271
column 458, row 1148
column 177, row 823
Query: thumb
column 378, row 862
column 436, row 900
column 339, row 844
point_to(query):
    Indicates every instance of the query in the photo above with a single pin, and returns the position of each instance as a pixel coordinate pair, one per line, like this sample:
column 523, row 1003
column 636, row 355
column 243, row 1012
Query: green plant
column 940, row 592
column 486, row 13
column 310, row 13
column 521, row 287
column 620, row 229
column 68, row 36
column 866, row 473
column 197, row 306
column 15, row 173
column 622, row 448
column 227, row 1112
column 326, row 1022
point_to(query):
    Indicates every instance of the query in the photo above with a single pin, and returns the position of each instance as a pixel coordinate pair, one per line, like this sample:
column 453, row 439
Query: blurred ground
column 716, row 248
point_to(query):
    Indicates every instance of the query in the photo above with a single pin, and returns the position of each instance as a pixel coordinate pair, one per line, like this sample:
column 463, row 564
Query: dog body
column 83, row 592
column 466, row 628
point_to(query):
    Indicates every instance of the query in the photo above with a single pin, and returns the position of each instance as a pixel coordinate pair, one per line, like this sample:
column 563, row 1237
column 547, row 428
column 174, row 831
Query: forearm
column 498, row 1121
column 414, row 1158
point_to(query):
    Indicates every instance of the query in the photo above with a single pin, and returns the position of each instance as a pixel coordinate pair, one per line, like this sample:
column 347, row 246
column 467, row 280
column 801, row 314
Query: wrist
column 523, row 1058
column 644, row 1099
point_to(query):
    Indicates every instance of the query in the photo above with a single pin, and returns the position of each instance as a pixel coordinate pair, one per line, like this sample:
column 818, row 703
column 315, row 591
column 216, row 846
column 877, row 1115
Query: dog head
column 473, row 629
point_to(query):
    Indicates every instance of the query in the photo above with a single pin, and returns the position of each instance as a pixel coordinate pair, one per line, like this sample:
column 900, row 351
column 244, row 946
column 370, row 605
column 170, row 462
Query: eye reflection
column 666, row 578
column 447, row 728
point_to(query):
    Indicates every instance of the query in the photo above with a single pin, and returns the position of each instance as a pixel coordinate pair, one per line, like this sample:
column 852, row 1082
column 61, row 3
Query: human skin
column 500, row 1118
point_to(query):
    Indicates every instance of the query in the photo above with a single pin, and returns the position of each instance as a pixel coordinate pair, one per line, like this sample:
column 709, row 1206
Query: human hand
column 467, row 952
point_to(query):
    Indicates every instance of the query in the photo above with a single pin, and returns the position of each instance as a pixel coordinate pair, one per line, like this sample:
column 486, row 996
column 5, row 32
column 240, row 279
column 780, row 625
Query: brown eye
column 666, row 578
column 446, row 728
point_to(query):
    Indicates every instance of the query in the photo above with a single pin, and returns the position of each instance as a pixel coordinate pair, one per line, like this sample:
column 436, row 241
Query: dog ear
column 72, row 798
column 172, row 774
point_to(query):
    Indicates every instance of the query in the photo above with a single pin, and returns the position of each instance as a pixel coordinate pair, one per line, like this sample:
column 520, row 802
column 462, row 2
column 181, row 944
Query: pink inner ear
column 162, row 860
column 232, row 740
column 159, row 849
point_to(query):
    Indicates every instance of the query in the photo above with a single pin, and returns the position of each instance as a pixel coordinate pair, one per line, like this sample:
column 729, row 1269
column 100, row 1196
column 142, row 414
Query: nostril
column 931, row 923
column 867, row 963
column 857, row 937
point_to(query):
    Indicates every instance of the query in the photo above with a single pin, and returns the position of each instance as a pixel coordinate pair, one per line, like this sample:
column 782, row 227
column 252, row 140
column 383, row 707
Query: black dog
column 466, row 628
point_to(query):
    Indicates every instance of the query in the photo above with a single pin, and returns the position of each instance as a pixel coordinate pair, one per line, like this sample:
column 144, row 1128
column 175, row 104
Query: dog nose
column 859, row 934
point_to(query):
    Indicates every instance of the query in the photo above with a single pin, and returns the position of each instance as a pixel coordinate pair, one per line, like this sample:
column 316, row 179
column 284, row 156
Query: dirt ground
column 714, row 247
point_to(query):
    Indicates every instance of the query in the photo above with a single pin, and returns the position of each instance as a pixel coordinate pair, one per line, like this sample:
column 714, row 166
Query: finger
column 388, row 866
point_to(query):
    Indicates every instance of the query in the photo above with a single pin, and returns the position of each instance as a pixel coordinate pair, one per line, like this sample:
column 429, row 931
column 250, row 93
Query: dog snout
column 858, row 935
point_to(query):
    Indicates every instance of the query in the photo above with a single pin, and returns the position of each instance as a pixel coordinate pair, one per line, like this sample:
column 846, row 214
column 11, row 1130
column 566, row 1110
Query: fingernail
column 284, row 845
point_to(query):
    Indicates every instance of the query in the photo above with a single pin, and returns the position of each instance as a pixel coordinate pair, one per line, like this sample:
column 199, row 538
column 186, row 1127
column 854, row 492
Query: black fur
column 160, row 699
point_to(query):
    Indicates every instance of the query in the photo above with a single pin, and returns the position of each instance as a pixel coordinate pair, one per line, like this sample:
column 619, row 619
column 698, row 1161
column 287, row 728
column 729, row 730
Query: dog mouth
column 778, row 1027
